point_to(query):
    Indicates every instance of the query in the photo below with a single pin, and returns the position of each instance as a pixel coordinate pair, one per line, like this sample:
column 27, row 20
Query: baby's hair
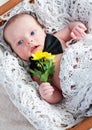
column 14, row 18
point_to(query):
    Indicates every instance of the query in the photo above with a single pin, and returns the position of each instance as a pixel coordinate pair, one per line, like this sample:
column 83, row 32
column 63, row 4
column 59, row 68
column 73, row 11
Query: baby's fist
column 46, row 90
column 78, row 31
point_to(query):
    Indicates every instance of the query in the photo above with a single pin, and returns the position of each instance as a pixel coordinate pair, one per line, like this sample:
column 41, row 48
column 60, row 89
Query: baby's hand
column 78, row 31
column 46, row 90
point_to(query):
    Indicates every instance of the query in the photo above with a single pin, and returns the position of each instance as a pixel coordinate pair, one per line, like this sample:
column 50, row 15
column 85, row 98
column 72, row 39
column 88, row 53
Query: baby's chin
column 25, row 58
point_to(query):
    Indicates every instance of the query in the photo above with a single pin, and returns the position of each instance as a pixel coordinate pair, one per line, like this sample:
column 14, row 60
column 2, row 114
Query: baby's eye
column 32, row 33
column 20, row 42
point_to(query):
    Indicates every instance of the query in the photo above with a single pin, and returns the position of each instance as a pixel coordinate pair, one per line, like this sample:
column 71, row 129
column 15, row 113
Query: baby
column 25, row 36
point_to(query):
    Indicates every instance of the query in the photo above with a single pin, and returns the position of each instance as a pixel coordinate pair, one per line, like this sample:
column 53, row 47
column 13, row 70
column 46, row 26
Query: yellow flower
column 44, row 65
column 47, row 56
column 38, row 55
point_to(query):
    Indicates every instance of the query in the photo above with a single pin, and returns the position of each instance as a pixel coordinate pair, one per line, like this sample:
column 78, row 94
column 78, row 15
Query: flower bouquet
column 44, row 65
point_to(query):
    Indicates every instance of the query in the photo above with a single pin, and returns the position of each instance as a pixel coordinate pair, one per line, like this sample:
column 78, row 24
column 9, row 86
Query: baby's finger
column 46, row 94
column 78, row 33
column 43, row 86
column 46, row 86
column 73, row 35
column 82, row 26
column 48, row 91
column 80, row 30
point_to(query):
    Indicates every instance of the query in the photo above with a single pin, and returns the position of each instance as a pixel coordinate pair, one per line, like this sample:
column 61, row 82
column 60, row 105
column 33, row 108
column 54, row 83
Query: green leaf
column 35, row 72
column 31, row 71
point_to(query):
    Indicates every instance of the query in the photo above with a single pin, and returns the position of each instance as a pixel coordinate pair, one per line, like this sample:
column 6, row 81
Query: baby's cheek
column 23, row 55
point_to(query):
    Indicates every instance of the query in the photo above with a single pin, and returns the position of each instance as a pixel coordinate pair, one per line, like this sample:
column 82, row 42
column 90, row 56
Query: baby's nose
column 30, row 42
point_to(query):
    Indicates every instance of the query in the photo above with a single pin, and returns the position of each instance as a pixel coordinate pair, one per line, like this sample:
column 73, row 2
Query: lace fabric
column 75, row 76
column 23, row 91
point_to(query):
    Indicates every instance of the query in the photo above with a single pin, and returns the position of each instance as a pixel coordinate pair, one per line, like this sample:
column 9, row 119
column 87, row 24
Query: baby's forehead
column 20, row 21
column 22, row 17
column 25, row 16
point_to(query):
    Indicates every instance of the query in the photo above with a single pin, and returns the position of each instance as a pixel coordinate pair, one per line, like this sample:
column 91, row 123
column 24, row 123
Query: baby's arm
column 74, row 30
column 49, row 93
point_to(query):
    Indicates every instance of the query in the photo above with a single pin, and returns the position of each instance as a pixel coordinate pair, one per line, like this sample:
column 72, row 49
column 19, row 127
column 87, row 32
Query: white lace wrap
column 75, row 73
column 76, row 79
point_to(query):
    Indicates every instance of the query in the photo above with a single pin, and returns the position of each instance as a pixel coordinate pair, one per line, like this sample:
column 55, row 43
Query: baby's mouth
column 33, row 49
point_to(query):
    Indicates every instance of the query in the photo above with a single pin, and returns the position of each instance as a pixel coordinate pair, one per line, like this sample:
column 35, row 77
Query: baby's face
column 25, row 36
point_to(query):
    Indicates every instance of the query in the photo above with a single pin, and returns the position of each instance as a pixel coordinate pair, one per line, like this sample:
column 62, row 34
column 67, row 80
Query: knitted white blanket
column 75, row 73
